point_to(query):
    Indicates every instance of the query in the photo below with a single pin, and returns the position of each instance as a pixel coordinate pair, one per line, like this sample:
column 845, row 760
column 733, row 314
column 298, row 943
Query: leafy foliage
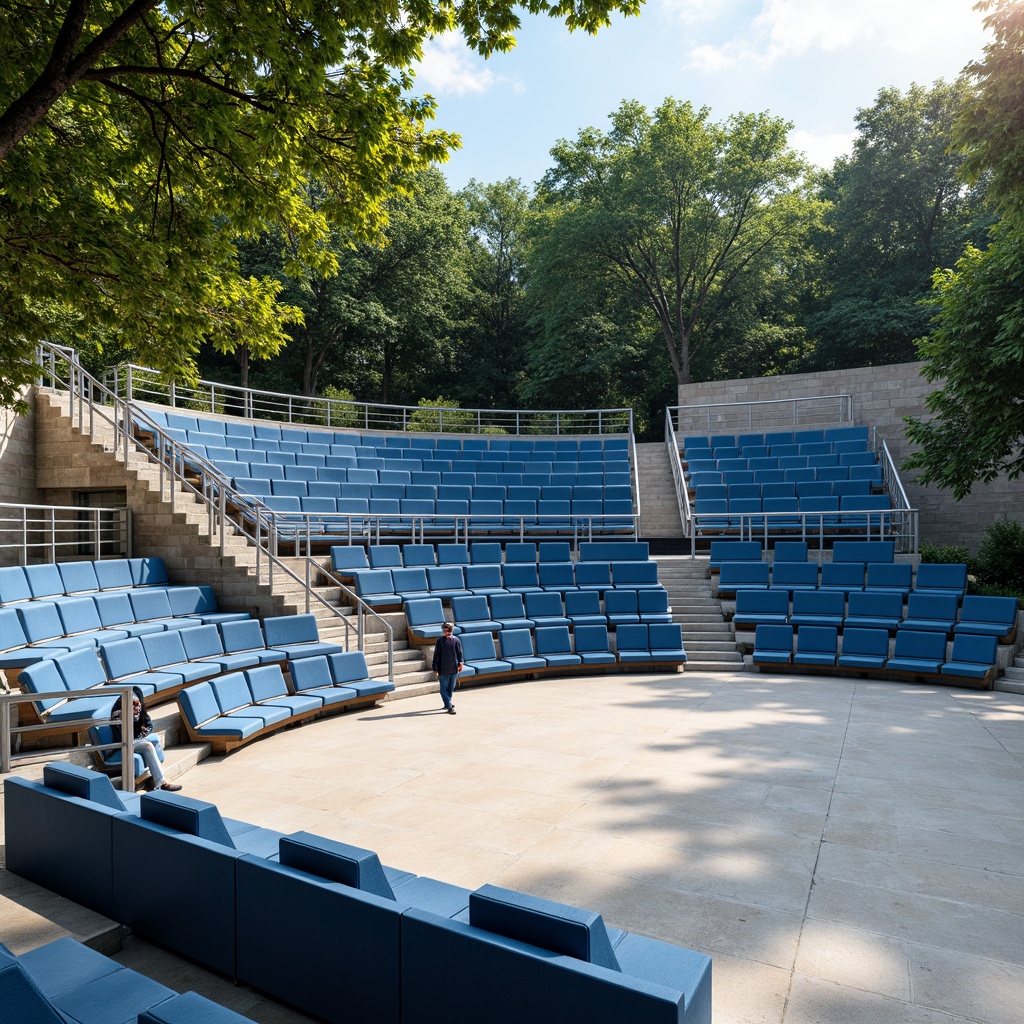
column 678, row 212
column 1000, row 559
column 976, row 350
column 139, row 141
column 897, row 210
column 990, row 129
column 945, row 554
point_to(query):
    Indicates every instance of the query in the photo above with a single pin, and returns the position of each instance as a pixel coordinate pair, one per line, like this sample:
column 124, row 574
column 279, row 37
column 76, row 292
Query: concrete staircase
column 1012, row 681
column 659, row 507
column 707, row 637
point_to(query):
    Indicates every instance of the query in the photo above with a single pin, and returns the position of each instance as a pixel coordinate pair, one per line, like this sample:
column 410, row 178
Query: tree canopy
column 680, row 211
column 897, row 209
column 139, row 140
column 976, row 345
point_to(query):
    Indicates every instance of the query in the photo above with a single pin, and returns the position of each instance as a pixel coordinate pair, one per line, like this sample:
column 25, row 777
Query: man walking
column 448, row 664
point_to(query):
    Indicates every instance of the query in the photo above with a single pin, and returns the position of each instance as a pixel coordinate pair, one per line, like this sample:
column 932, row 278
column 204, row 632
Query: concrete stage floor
column 846, row 850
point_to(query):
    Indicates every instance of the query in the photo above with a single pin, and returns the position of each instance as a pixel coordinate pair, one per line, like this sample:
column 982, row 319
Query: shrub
column 1000, row 559
column 436, row 415
column 335, row 409
column 944, row 553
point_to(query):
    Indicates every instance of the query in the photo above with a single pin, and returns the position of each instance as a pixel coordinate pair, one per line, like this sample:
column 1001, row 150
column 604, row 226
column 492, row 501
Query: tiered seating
column 328, row 485
column 545, row 595
column 257, row 897
column 915, row 654
column 239, row 707
column 161, row 663
column 758, row 481
column 53, row 608
column 863, row 592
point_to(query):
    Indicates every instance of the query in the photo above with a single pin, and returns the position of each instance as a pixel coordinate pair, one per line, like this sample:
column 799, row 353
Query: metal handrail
column 302, row 529
column 172, row 458
column 9, row 701
column 43, row 532
column 899, row 524
column 678, row 479
column 844, row 413
column 335, row 413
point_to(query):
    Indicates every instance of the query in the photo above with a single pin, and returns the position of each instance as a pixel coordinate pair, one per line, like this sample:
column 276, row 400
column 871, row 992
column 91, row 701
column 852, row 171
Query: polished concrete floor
column 846, row 850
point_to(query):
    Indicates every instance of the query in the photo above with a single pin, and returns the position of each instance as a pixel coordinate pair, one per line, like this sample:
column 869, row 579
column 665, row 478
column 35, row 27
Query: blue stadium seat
column 754, row 607
column 816, row 645
column 773, row 645
column 818, row 608
column 517, row 650
column 917, row 653
column 868, row 610
column 864, row 648
column 973, row 658
column 931, row 612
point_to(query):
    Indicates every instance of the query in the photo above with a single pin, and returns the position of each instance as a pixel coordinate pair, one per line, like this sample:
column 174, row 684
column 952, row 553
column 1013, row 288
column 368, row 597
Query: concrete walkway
column 847, row 851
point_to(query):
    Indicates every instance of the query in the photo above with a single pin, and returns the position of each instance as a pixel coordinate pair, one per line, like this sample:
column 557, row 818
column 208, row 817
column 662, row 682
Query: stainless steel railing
column 134, row 383
column 10, row 734
column 60, row 533
column 678, row 479
column 770, row 414
column 92, row 406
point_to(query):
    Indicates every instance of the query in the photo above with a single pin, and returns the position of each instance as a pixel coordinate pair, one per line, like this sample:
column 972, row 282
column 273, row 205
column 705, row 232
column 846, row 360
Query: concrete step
column 714, row 666
column 1009, row 685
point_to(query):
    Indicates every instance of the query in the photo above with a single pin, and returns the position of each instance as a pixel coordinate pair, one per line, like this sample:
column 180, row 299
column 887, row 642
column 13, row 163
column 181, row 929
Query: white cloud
column 785, row 28
column 822, row 148
column 692, row 10
column 450, row 68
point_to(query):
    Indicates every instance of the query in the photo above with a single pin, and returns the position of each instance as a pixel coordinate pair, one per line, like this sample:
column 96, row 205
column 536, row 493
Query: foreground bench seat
column 59, row 832
column 353, row 905
column 187, row 848
column 524, row 958
column 66, row 980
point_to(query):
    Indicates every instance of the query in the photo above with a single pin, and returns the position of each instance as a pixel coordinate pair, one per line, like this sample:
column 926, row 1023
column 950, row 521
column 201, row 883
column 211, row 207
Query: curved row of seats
column 850, row 511
column 801, row 489
column 937, row 613
column 163, row 663
column 328, row 929
column 233, row 709
column 941, row 579
column 864, row 551
column 528, row 651
column 849, row 437
column 51, row 580
column 309, row 473
column 917, row 654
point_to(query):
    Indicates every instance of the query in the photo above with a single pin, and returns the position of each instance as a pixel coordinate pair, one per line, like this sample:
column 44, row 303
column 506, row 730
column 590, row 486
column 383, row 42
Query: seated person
column 147, row 742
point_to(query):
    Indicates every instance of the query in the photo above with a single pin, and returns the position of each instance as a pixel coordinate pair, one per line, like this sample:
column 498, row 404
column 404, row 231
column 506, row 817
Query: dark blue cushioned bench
column 525, row 958
column 65, row 980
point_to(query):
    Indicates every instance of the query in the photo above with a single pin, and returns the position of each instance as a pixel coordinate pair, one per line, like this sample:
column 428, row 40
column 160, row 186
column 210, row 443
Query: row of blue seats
column 723, row 463
column 386, row 588
column 397, row 440
column 238, row 707
column 986, row 616
column 161, row 663
column 971, row 662
column 362, row 470
column 809, row 474
column 41, row 629
column 361, row 483
column 535, row 513
column 797, row 551
column 60, row 579
column 849, row 510
column 495, row 612
column 347, row 559
column 328, row 929
column 886, row 577
column 340, row 457
column 445, row 492
column 804, row 489
column 806, row 436
column 648, row 645
column 65, row 980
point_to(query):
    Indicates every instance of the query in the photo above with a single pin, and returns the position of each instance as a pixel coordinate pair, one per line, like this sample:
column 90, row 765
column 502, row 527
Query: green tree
column 976, row 349
column 393, row 308
column 897, row 210
column 976, row 344
column 680, row 211
column 492, row 367
column 140, row 140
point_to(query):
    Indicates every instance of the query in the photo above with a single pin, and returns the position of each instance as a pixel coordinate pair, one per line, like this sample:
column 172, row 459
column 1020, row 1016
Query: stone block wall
column 881, row 397
column 17, row 474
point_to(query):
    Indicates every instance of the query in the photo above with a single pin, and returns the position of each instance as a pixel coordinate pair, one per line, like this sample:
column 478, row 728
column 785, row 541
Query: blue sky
column 813, row 62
